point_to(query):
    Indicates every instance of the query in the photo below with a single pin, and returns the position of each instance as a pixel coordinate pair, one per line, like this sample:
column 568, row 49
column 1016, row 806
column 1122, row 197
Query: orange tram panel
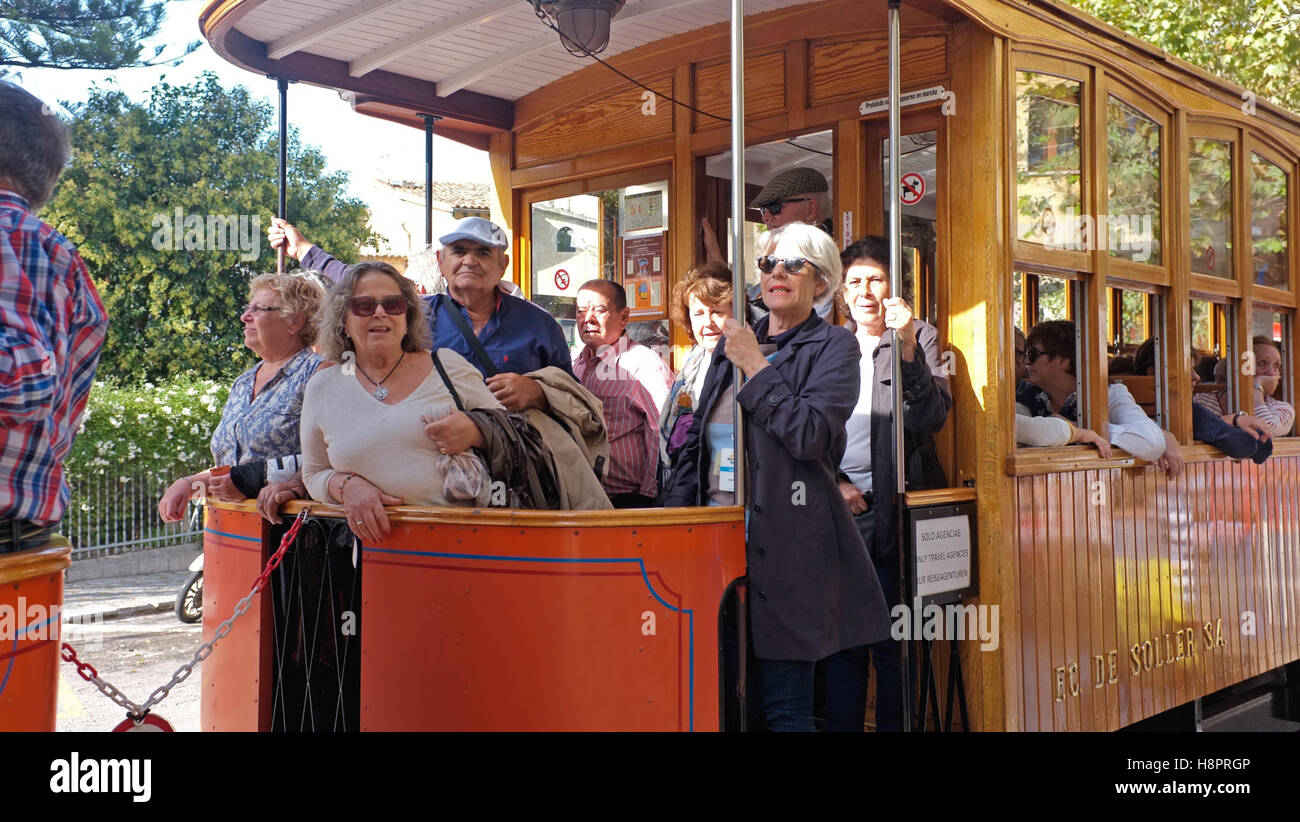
column 494, row 620
column 31, row 601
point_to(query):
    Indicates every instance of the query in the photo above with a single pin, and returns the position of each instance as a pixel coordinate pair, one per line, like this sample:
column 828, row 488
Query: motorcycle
column 189, row 600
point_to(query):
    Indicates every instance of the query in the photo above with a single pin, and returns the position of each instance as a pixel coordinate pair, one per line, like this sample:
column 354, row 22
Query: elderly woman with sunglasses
column 812, row 590
column 257, row 438
column 375, row 426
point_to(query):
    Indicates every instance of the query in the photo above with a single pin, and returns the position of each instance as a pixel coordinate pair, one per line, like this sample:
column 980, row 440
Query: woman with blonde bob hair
column 377, row 429
column 257, row 438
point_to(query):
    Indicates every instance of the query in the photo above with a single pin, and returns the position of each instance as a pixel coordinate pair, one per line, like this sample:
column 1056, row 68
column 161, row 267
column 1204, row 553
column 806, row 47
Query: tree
column 169, row 202
column 93, row 34
column 1253, row 43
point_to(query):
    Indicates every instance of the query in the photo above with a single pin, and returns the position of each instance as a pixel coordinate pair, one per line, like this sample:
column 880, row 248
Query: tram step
column 1256, row 714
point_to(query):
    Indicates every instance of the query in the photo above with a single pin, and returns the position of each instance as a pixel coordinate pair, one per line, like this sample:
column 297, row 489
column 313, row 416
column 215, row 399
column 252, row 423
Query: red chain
column 88, row 672
column 274, row 561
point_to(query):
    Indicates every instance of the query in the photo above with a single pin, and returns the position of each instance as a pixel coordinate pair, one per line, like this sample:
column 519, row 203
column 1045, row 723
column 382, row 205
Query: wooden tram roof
column 468, row 61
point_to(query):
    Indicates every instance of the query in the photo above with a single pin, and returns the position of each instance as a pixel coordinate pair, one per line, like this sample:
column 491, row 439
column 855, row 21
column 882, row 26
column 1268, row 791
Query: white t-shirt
column 857, row 452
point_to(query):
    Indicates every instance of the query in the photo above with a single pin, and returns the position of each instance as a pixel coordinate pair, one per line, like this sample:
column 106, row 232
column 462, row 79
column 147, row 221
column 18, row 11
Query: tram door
column 920, row 176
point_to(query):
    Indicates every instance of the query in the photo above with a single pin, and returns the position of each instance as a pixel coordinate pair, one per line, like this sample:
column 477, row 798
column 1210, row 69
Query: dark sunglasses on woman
column 793, row 265
column 365, row 306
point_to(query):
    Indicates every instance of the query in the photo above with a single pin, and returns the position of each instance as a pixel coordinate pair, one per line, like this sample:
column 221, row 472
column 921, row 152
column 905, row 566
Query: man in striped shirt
column 52, row 326
column 632, row 382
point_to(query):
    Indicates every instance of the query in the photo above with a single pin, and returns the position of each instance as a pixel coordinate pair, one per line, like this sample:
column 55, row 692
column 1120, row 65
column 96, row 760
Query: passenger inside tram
column 385, row 428
column 813, row 591
column 631, row 382
column 256, row 444
column 700, row 304
column 1047, row 401
column 510, row 337
column 1245, row 438
column 880, row 322
column 1276, row 416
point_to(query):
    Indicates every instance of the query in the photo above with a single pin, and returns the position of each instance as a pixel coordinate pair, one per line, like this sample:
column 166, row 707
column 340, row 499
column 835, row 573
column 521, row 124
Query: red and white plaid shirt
column 632, row 382
column 52, row 326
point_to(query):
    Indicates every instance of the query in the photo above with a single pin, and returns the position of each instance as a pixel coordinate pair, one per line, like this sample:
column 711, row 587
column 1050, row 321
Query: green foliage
column 132, row 444
column 93, row 34
column 155, row 429
column 203, row 159
column 1253, row 43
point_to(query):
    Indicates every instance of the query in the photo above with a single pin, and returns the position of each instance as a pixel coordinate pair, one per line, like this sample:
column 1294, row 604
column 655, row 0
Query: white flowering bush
column 132, row 443
column 154, row 429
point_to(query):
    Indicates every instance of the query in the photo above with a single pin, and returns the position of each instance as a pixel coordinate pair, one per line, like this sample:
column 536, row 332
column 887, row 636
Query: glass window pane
column 1132, row 183
column 1268, row 222
column 1049, row 186
column 1134, row 305
column 580, row 238
column 1053, row 299
column 1210, row 167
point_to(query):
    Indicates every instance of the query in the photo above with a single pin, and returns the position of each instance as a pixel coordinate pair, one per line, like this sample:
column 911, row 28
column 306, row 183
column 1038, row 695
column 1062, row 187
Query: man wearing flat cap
column 505, row 337
column 795, row 195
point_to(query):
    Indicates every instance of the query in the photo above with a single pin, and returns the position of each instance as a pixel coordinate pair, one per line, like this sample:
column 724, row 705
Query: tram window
column 617, row 234
column 1212, row 348
column 1132, row 183
column 917, row 158
column 1048, row 169
column 1136, row 348
column 1037, row 297
column 1210, row 206
column 1268, row 194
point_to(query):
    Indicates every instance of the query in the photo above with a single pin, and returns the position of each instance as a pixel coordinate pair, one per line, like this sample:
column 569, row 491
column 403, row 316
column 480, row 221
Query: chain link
column 137, row 712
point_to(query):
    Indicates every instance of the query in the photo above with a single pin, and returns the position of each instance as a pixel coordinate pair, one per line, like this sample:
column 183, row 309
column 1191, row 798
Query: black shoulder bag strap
column 442, row 372
column 474, row 345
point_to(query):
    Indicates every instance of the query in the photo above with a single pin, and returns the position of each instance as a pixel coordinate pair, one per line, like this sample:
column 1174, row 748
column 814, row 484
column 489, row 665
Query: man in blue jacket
column 503, row 336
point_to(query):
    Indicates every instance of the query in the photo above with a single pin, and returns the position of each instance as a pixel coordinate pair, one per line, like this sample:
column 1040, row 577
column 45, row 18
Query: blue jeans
column 847, row 672
column 785, row 691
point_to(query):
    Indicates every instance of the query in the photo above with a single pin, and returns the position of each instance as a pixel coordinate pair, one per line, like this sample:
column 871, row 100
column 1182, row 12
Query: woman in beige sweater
column 373, row 427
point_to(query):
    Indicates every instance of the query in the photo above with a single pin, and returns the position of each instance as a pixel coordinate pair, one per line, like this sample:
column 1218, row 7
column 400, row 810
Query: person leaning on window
column 1275, row 416
column 1245, row 438
column 1047, row 403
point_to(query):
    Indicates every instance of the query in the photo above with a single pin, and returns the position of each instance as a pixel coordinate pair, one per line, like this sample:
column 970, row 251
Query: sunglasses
column 1032, row 353
column 793, row 265
column 259, row 309
column 774, row 208
column 365, row 306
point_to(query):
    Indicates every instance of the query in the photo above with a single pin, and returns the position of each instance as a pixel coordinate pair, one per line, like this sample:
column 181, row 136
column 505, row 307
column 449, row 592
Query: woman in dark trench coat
column 812, row 589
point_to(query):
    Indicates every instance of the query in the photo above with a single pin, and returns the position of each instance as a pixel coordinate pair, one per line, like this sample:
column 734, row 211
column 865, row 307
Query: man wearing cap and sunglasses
column 503, row 336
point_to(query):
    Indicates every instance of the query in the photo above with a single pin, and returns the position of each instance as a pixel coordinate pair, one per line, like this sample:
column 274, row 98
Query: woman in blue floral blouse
column 258, row 433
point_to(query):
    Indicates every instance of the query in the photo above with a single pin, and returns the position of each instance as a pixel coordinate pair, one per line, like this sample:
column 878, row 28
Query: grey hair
column 422, row 267
column 33, row 145
column 332, row 339
column 822, row 199
column 811, row 243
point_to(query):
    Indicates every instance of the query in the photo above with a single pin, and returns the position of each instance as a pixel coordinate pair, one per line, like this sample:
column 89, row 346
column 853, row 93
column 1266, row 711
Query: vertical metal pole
column 282, row 84
column 429, row 120
column 738, row 220
column 896, row 289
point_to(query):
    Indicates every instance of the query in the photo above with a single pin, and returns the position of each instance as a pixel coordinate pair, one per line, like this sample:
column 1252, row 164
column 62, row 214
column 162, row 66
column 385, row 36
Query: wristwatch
column 1236, row 417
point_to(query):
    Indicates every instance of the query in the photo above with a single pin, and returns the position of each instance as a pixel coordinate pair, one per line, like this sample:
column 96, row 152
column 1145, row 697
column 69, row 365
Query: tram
column 1059, row 168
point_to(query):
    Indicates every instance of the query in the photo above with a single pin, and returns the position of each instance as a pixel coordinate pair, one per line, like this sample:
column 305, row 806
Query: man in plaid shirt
column 52, row 326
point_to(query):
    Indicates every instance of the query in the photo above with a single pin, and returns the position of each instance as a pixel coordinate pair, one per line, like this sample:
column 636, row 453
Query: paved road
column 137, row 654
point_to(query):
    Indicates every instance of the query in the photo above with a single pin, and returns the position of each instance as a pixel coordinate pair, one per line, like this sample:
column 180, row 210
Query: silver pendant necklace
column 380, row 391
